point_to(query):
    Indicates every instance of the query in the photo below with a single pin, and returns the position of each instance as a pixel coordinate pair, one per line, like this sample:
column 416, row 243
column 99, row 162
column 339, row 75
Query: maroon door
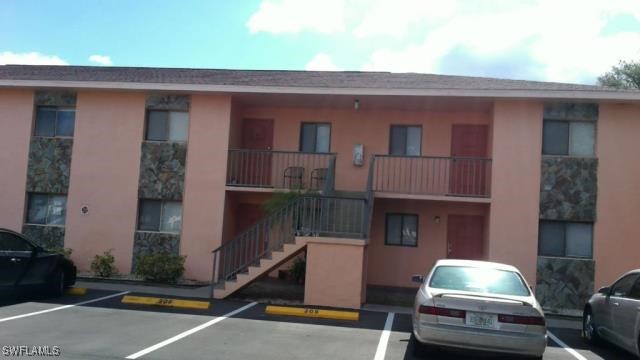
column 465, row 234
column 255, row 167
column 468, row 176
column 252, row 241
column 247, row 215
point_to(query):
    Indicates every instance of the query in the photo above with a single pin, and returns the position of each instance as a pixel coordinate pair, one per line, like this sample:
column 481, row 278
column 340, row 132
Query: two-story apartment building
column 386, row 173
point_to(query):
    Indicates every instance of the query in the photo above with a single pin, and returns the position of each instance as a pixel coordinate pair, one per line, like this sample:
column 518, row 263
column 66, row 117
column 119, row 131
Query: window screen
column 555, row 138
column 167, row 125
column 46, row 209
column 570, row 239
column 573, row 138
column 157, row 215
column 54, row 121
column 405, row 140
column 401, row 229
column 315, row 137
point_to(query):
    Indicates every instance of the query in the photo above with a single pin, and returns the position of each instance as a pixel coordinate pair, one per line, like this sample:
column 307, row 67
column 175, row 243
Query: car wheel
column 589, row 332
column 420, row 349
column 57, row 284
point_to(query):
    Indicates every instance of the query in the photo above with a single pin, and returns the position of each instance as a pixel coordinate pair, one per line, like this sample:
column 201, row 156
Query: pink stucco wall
column 204, row 188
column 515, row 186
column 104, row 176
column 334, row 274
column 616, row 245
column 371, row 128
column 394, row 265
column 16, row 117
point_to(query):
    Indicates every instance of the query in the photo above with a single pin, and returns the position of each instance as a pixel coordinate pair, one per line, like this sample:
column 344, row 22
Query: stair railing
column 306, row 215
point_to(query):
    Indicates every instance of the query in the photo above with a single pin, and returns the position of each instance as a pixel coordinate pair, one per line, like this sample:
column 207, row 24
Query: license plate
column 480, row 320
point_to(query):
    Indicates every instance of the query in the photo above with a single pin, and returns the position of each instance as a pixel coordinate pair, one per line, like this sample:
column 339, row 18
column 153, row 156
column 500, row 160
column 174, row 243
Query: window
column 167, row 125
column 483, row 280
column 405, row 140
column 402, row 230
column 635, row 291
column 54, row 121
column 46, row 209
column 573, row 138
column 622, row 287
column 315, row 137
column 11, row 242
column 158, row 215
column 565, row 239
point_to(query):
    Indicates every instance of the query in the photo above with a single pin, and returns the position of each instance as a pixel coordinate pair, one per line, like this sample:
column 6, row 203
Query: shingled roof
column 354, row 80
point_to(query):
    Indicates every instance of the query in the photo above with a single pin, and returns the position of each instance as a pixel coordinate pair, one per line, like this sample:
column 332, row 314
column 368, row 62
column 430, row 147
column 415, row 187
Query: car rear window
column 480, row 280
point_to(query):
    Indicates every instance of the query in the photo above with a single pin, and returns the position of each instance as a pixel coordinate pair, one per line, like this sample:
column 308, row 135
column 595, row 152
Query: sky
column 548, row 40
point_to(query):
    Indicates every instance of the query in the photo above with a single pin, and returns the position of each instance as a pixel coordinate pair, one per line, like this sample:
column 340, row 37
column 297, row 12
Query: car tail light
column 521, row 320
column 440, row 311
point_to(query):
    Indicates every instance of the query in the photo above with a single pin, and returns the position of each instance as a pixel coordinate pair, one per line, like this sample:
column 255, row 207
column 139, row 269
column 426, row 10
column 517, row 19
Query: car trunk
column 488, row 312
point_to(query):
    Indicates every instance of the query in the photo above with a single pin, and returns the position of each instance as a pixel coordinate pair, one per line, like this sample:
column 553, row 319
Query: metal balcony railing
column 281, row 169
column 302, row 216
column 430, row 175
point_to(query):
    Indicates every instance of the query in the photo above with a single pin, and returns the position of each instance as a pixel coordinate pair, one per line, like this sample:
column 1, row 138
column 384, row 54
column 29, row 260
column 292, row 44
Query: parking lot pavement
column 98, row 325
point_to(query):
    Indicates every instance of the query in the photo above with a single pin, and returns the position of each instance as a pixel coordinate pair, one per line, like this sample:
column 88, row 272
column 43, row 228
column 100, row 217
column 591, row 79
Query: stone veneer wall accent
column 49, row 237
column 568, row 189
column 49, row 165
column 147, row 243
column 55, row 98
column 168, row 102
column 162, row 167
column 564, row 284
column 571, row 111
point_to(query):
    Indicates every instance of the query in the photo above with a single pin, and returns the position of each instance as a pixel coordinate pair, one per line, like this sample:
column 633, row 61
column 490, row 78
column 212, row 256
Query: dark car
column 27, row 267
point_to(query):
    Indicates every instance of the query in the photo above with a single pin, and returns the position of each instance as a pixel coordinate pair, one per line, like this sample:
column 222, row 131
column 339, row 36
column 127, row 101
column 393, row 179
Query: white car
column 478, row 305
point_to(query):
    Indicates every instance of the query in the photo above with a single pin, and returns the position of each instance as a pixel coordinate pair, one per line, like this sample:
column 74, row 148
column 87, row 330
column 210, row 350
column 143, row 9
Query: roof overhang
column 583, row 95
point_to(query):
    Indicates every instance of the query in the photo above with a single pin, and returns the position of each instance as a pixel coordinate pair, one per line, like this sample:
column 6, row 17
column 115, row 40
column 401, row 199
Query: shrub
column 102, row 265
column 298, row 270
column 160, row 267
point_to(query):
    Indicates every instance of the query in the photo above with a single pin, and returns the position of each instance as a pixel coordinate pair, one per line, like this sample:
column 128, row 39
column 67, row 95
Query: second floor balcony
column 274, row 169
column 431, row 175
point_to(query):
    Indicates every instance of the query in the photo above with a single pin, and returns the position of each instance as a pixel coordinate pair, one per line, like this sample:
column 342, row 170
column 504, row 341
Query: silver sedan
column 478, row 305
column 613, row 314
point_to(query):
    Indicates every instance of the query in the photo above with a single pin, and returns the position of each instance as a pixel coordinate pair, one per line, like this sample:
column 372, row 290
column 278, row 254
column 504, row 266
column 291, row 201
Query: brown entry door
column 465, row 237
column 468, row 176
column 255, row 167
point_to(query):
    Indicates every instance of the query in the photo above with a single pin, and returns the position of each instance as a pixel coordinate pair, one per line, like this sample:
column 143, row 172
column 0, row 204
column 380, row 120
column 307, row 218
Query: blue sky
column 568, row 41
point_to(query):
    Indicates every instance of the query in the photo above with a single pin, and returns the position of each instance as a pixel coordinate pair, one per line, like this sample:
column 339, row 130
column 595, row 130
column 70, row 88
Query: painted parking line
column 156, row 301
column 189, row 332
column 63, row 307
column 565, row 346
column 384, row 337
column 312, row 313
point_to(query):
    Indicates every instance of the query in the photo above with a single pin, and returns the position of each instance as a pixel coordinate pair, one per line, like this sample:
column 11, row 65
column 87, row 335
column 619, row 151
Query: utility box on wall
column 358, row 155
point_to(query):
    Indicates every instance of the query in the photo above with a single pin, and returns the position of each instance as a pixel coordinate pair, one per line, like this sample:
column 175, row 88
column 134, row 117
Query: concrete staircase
column 265, row 265
column 281, row 235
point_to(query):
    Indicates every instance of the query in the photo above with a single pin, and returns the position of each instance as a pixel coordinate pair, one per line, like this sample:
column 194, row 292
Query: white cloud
column 101, row 60
column 321, row 62
column 294, row 16
column 30, row 58
column 563, row 39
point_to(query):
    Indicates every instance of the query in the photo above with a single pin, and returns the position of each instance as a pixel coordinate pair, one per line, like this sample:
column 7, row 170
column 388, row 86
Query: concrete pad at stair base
column 335, row 272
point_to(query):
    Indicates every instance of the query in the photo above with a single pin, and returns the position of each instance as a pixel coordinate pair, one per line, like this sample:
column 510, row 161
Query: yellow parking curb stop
column 76, row 291
column 178, row 303
column 313, row 313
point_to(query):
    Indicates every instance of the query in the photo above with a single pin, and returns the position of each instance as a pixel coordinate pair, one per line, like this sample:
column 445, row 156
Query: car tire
column 57, row 284
column 419, row 349
column 589, row 332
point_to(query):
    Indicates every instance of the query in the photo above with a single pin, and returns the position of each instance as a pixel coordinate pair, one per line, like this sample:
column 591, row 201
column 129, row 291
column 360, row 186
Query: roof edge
column 229, row 89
